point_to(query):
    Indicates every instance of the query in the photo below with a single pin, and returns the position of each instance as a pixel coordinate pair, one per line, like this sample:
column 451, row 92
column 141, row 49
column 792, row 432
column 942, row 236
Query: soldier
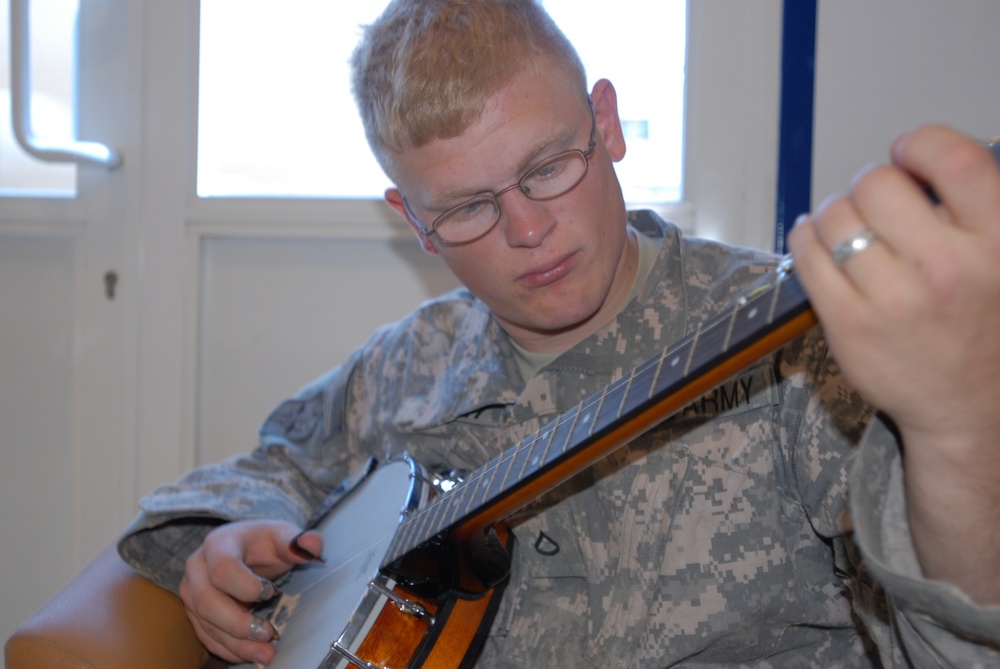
column 722, row 536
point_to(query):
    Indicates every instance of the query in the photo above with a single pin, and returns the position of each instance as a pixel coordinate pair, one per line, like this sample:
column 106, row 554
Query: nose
column 526, row 223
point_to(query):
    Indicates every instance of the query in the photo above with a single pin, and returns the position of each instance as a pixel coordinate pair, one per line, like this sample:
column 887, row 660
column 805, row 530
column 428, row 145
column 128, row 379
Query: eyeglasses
column 545, row 180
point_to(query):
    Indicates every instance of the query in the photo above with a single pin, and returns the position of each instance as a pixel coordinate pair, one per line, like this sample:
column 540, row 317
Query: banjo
column 419, row 582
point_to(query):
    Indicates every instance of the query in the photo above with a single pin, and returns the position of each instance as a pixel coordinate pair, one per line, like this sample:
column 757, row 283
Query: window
column 640, row 47
column 275, row 120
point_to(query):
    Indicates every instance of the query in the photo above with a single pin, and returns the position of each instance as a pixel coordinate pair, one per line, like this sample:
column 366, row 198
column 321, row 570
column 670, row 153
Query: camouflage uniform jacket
column 716, row 539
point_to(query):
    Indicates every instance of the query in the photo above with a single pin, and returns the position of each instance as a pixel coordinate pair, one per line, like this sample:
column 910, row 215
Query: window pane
column 614, row 45
column 52, row 42
column 275, row 119
column 276, row 115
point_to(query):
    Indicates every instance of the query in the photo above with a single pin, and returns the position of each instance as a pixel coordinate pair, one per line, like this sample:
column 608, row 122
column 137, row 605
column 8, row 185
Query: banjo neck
column 756, row 326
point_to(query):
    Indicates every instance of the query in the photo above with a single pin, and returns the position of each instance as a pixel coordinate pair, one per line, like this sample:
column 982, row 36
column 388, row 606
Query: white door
column 144, row 330
column 66, row 393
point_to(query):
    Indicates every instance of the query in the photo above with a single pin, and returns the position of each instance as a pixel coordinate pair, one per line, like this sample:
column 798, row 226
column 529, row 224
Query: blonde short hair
column 425, row 68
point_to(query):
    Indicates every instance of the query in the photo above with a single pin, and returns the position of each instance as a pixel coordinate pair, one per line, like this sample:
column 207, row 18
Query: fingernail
column 297, row 548
column 268, row 590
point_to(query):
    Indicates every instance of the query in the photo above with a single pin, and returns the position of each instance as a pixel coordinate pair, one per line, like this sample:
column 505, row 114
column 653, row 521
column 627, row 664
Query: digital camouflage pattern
column 716, row 539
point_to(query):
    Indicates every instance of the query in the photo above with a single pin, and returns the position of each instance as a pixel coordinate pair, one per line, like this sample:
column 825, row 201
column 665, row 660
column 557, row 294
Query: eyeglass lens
column 546, row 180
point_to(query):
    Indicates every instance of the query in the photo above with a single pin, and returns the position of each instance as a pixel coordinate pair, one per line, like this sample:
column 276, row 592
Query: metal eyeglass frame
column 495, row 197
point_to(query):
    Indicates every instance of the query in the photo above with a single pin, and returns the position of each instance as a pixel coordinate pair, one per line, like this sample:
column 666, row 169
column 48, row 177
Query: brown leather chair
column 108, row 617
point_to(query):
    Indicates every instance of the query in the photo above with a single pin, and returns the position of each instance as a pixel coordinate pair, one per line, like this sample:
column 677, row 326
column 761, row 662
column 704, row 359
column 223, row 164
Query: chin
column 568, row 320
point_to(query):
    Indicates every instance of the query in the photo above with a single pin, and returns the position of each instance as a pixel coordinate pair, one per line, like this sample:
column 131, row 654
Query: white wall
column 733, row 80
column 885, row 67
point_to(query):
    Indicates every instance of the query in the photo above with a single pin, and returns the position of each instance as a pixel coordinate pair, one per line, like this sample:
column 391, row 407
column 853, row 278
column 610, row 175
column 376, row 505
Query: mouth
column 550, row 272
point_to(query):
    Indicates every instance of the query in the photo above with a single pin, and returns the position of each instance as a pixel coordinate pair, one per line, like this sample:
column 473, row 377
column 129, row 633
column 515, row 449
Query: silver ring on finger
column 852, row 246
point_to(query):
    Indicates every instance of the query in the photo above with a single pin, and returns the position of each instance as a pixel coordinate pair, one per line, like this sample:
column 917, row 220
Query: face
column 551, row 272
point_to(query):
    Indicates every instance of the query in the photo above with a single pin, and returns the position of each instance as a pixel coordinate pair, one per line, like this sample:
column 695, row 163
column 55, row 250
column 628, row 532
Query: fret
column 427, row 520
column 694, row 346
column 774, row 303
column 710, row 346
column 474, row 495
column 522, row 456
column 584, row 426
column 572, row 428
column 641, row 384
column 458, row 499
column 494, row 467
column 597, row 411
column 511, row 461
column 411, row 535
column 608, row 413
column 536, row 460
column 659, row 368
column 628, row 388
column 444, row 513
column 749, row 314
column 531, row 461
column 673, row 371
column 492, row 489
column 551, row 427
column 729, row 330
column 467, row 492
column 564, row 428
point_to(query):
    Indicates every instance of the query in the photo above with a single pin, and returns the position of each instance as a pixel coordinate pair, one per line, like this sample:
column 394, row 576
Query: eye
column 469, row 211
column 550, row 169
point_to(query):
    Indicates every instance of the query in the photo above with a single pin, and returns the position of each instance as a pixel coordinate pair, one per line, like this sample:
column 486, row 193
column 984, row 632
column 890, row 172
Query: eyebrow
column 541, row 150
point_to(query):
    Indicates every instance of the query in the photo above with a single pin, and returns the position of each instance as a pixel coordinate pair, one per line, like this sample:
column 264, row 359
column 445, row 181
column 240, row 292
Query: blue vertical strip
column 798, row 76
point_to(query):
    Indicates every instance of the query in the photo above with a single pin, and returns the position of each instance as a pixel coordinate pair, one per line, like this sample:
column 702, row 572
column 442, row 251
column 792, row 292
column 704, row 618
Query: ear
column 609, row 125
column 395, row 200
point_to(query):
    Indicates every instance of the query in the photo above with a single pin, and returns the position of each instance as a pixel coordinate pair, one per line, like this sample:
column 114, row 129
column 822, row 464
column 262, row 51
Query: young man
column 721, row 536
